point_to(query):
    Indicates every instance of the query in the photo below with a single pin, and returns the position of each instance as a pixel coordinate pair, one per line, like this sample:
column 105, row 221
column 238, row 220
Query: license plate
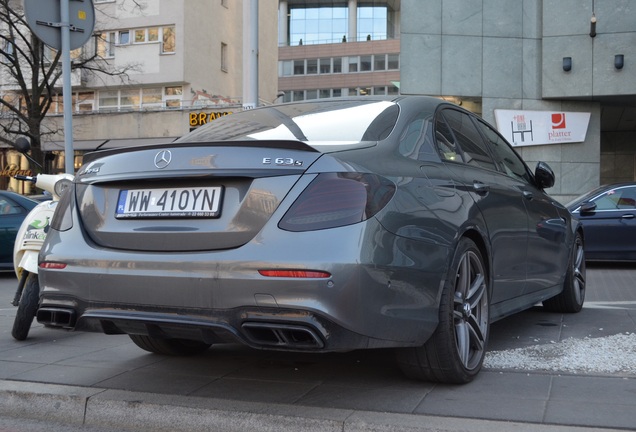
column 204, row 202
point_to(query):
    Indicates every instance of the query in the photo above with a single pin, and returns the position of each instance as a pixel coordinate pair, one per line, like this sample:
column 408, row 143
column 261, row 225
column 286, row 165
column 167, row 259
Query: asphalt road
column 97, row 380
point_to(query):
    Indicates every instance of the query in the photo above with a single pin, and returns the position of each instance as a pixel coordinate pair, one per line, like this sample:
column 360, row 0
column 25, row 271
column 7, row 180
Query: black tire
column 174, row 347
column 455, row 352
column 27, row 308
column 571, row 299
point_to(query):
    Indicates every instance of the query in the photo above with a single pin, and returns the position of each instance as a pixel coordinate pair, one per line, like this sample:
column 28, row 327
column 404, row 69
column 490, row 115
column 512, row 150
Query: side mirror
column 22, row 145
column 587, row 207
column 544, row 175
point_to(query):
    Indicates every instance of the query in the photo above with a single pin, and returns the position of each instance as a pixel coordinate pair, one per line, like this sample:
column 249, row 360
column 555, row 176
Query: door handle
column 627, row 216
column 527, row 195
column 480, row 188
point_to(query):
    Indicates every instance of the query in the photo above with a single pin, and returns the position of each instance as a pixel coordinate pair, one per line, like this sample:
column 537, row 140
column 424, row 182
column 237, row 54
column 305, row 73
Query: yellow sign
column 201, row 118
column 13, row 170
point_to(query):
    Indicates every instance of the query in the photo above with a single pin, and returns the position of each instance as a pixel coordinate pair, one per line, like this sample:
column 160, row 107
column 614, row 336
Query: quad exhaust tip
column 282, row 335
column 56, row 317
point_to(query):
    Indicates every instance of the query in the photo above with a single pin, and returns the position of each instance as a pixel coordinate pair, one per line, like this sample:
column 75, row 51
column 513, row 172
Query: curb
column 137, row 411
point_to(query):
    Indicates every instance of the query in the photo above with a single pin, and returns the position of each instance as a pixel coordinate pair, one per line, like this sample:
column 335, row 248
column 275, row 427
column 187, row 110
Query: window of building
column 151, row 97
column 286, row 68
column 123, row 37
column 299, row 67
column 105, row 44
column 365, row 63
column 312, row 94
column 372, row 23
column 379, row 62
column 393, row 61
column 108, row 100
column 129, row 98
column 325, row 65
column 153, row 34
column 298, row 95
column 223, row 57
column 337, row 65
column 173, row 96
column 316, row 25
column 353, row 64
column 168, row 40
column 312, row 66
column 85, row 101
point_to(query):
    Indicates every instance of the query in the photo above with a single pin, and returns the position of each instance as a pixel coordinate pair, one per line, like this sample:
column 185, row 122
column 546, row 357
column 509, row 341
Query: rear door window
column 507, row 160
column 467, row 137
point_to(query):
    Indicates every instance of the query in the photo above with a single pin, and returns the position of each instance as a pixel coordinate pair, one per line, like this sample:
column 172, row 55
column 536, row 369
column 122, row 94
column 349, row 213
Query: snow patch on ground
column 611, row 354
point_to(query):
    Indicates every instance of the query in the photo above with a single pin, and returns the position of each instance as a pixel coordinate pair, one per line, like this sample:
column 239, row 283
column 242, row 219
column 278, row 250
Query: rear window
column 336, row 122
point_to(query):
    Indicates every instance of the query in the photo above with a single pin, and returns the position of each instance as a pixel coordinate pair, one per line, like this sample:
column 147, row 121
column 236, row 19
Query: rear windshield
column 324, row 123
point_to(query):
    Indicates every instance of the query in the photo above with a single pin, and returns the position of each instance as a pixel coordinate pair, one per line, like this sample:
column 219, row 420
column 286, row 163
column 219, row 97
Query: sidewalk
column 94, row 379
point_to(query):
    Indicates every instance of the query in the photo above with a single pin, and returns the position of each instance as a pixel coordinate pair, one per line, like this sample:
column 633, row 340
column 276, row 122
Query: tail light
column 338, row 199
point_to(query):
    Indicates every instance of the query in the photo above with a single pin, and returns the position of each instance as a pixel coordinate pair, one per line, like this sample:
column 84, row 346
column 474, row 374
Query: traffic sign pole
column 67, row 97
column 64, row 25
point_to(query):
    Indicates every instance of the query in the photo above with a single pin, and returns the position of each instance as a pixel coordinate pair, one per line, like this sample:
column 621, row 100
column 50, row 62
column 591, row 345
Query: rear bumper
column 384, row 297
column 290, row 330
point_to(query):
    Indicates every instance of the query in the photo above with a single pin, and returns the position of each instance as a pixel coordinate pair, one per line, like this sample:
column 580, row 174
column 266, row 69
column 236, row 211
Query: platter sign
column 526, row 128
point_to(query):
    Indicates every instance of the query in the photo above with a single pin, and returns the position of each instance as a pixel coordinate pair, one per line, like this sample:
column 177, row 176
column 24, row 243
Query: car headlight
column 61, row 186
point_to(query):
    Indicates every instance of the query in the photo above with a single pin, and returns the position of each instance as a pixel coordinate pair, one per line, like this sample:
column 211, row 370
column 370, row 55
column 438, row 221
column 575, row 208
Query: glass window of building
column 151, row 97
column 325, row 65
column 393, row 61
column 324, row 93
column 317, row 24
column 353, row 64
column 168, row 40
column 312, row 66
column 299, row 67
column 379, row 62
column 124, row 37
column 286, row 67
column 108, row 99
column 129, row 99
column 298, row 95
column 365, row 63
column 372, row 23
column 337, row 65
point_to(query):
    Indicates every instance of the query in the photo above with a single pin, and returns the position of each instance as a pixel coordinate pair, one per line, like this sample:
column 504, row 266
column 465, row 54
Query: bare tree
column 29, row 79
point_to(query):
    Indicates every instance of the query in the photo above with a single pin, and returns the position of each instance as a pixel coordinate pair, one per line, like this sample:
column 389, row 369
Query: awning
column 91, row 145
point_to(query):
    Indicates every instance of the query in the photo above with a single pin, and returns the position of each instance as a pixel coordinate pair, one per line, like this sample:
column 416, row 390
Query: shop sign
column 13, row 169
column 201, row 118
column 526, row 128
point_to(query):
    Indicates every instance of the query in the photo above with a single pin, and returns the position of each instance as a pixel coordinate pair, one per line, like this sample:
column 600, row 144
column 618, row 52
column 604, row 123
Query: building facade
column 183, row 67
column 535, row 56
column 340, row 48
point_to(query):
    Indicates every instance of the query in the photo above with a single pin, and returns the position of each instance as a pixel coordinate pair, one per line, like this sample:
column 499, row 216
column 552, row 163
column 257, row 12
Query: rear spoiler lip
column 278, row 144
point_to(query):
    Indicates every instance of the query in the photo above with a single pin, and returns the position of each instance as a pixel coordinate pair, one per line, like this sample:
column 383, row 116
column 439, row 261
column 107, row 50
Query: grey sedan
column 327, row 225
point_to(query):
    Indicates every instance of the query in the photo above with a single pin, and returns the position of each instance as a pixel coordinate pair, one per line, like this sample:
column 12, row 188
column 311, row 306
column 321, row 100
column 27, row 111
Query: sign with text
column 526, row 128
column 201, row 118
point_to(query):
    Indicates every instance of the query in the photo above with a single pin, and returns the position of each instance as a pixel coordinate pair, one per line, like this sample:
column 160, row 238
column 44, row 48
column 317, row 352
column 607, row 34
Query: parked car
column 13, row 209
column 608, row 215
column 325, row 225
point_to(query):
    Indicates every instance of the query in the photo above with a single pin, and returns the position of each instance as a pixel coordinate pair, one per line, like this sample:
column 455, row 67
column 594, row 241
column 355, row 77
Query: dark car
column 326, row 225
column 13, row 209
column 608, row 215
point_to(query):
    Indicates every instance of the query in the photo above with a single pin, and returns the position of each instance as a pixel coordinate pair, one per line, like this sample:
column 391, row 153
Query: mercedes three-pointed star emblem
column 163, row 158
